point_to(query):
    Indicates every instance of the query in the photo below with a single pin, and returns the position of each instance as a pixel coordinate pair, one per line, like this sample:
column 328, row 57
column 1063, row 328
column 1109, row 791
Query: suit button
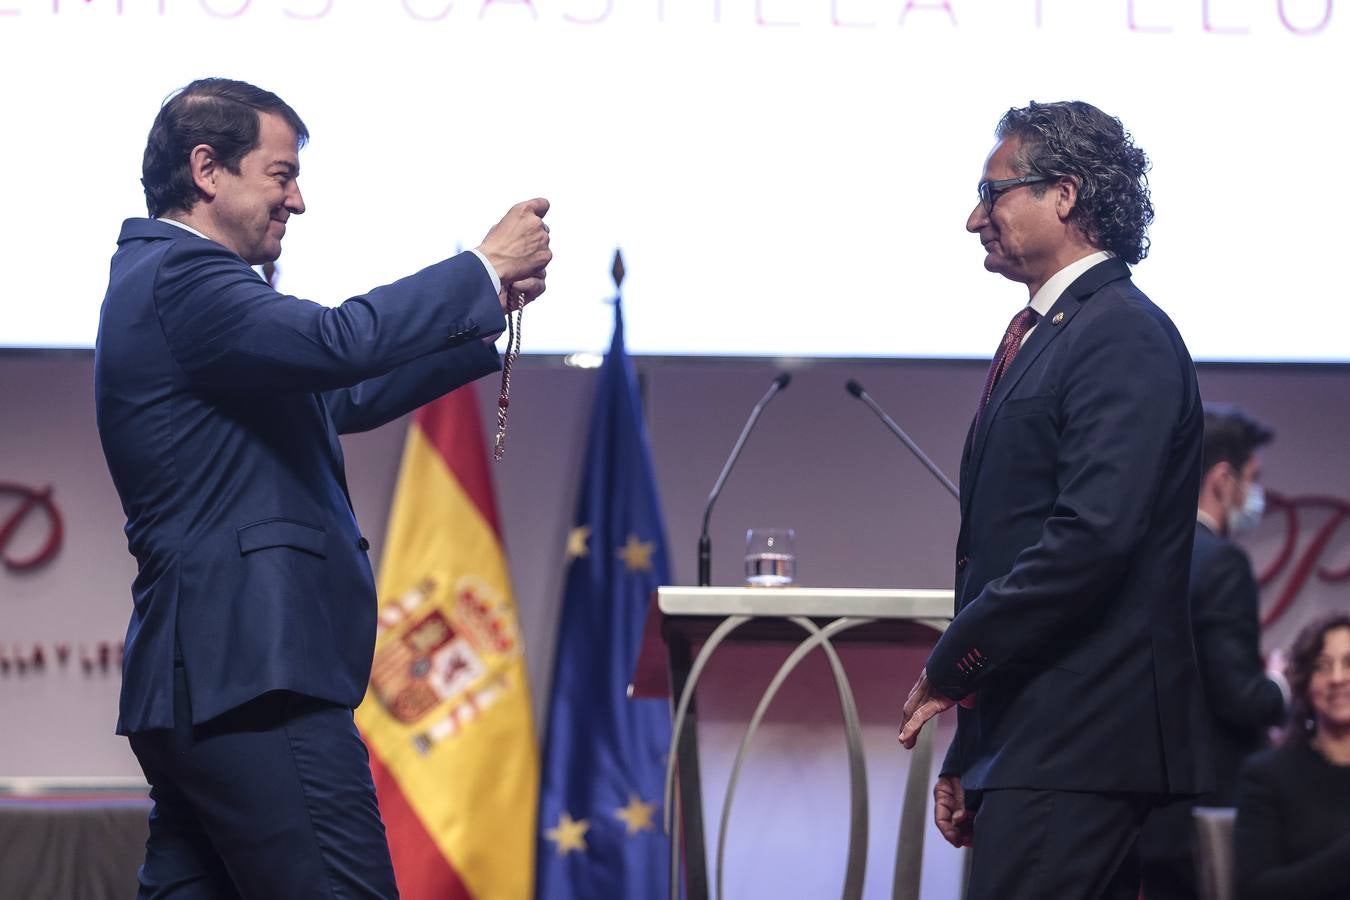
column 363, row 545
column 961, row 563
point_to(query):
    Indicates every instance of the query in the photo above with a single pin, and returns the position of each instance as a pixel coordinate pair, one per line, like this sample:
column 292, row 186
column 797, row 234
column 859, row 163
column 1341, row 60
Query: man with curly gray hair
column 1070, row 652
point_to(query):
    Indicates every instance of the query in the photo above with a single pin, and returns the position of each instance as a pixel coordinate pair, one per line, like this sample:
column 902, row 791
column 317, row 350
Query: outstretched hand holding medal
column 517, row 248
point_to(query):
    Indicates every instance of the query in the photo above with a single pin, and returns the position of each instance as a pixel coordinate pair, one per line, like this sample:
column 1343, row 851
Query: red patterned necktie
column 1021, row 323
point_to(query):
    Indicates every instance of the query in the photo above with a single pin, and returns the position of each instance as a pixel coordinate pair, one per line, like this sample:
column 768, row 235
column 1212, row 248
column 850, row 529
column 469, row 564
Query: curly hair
column 1078, row 140
column 1302, row 657
column 215, row 111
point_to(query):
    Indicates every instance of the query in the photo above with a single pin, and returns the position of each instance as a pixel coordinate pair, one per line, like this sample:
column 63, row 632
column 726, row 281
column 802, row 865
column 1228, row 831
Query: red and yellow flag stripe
column 447, row 717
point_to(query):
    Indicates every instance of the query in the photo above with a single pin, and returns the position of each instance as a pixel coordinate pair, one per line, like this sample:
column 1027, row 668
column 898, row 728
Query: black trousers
column 1170, row 879
column 1065, row 845
column 271, row 800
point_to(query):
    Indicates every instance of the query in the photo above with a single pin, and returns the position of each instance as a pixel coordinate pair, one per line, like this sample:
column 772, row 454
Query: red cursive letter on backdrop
column 1307, row 563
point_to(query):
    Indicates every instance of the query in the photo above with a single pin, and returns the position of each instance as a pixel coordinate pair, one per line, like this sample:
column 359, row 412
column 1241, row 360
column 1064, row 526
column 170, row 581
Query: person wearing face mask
column 1243, row 698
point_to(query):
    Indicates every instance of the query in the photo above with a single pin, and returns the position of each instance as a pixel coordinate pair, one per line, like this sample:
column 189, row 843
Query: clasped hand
column 517, row 248
column 953, row 820
column 950, row 815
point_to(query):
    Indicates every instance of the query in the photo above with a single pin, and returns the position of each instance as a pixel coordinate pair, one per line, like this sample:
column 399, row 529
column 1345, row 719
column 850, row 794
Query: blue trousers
column 272, row 800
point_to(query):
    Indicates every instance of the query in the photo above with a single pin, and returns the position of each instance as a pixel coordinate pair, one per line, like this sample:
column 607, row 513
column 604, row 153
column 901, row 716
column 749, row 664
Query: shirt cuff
column 492, row 273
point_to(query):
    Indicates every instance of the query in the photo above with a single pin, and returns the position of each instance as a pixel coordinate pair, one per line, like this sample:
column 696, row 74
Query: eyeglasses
column 990, row 191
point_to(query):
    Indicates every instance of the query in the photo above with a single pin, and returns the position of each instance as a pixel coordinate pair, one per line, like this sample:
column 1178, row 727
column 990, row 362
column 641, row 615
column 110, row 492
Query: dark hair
column 1231, row 436
column 1078, row 140
column 214, row 111
column 1302, row 656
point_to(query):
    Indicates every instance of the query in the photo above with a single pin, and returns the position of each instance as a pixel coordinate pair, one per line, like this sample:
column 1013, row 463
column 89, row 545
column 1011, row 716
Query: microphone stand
column 705, row 542
column 857, row 390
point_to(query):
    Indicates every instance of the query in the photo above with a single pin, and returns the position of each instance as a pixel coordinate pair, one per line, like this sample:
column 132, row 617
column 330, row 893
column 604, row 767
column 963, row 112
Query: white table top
column 797, row 601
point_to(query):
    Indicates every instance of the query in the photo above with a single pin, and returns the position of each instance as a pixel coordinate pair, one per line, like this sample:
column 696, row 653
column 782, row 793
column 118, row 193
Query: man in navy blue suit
column 1070, row 652
column 219, row 405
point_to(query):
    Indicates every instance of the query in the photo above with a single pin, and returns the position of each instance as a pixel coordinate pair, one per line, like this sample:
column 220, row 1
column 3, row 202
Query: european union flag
column 604, row 759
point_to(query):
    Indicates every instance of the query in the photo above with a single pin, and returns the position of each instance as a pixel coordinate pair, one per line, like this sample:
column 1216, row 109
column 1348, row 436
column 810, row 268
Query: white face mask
column 1248, row 516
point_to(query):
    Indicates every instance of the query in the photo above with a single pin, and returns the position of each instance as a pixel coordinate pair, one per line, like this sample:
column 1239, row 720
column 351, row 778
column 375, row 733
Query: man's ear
column 1066, row 196
column 1215, row 481
column 205, row 169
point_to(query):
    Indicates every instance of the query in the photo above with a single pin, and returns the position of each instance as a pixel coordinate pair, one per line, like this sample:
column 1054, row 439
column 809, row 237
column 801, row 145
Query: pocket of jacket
column 1027, row 406
column 282, row 533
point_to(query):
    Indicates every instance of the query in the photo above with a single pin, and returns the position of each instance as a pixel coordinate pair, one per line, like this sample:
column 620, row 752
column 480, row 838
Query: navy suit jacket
column 219, row 404
column 1241, row 701
column 1078, row 494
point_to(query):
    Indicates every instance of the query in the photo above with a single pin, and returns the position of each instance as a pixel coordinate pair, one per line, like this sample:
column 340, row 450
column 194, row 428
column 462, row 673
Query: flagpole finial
column 616, row 270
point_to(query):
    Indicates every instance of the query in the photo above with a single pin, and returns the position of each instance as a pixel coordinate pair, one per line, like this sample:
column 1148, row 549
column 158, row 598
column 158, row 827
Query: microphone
column 857, row 390
column 704, row 542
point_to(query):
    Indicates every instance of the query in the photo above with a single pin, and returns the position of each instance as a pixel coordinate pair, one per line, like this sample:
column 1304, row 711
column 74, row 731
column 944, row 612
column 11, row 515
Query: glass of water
column 770, row 557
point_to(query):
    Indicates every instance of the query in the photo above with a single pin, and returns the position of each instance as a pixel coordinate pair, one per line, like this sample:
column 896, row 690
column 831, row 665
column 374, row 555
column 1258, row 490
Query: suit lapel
column 965, row 472
column 1045, row 332
column 1050, row 327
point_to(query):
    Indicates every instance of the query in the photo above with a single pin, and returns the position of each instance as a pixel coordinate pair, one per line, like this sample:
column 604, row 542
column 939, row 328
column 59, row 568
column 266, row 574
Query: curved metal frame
column 719, row 634
column 909, row 840
column 857, row 766
column 914, row 807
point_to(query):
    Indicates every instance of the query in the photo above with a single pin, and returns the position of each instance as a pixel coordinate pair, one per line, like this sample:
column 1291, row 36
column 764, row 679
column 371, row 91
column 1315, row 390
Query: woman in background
column 1293, row 821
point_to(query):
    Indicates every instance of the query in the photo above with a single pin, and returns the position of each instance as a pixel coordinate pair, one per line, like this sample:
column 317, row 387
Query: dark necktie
column 1021, row 323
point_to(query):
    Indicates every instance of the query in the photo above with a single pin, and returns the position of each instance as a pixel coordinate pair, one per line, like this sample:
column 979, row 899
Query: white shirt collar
column 257, row 270
column 182, row 226
column 1060, row 281
column 1207, row 520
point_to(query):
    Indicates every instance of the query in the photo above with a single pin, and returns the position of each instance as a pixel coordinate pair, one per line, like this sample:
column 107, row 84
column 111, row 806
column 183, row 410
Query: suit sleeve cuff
column 957, row 661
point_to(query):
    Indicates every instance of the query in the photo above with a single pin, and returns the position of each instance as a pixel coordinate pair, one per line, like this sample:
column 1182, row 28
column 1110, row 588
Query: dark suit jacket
column 219, row 404
column 1241, row 702
column 1078, row 493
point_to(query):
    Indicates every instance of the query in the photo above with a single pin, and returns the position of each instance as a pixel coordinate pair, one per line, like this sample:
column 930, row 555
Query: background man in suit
column 1070, row 652
column 1243, row 700
column 219, row 404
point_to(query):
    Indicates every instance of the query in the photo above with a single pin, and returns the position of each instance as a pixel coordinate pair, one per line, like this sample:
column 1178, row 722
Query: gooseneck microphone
column 857, row 390
column 704, row 542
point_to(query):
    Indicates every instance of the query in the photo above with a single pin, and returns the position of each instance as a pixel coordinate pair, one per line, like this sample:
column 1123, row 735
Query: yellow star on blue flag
column 568, row 834
column 636, row 554
column 636, row 815
column 603, row 752
column 576, row 542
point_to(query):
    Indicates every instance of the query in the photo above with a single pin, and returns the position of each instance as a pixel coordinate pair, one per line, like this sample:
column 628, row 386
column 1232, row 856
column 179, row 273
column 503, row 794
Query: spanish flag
column 447, row 715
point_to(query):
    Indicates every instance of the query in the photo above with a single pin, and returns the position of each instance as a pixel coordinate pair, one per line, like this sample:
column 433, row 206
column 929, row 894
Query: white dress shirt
column 1059, row 282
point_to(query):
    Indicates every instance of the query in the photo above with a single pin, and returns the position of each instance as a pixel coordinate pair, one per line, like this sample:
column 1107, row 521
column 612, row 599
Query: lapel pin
column 1059, row 317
